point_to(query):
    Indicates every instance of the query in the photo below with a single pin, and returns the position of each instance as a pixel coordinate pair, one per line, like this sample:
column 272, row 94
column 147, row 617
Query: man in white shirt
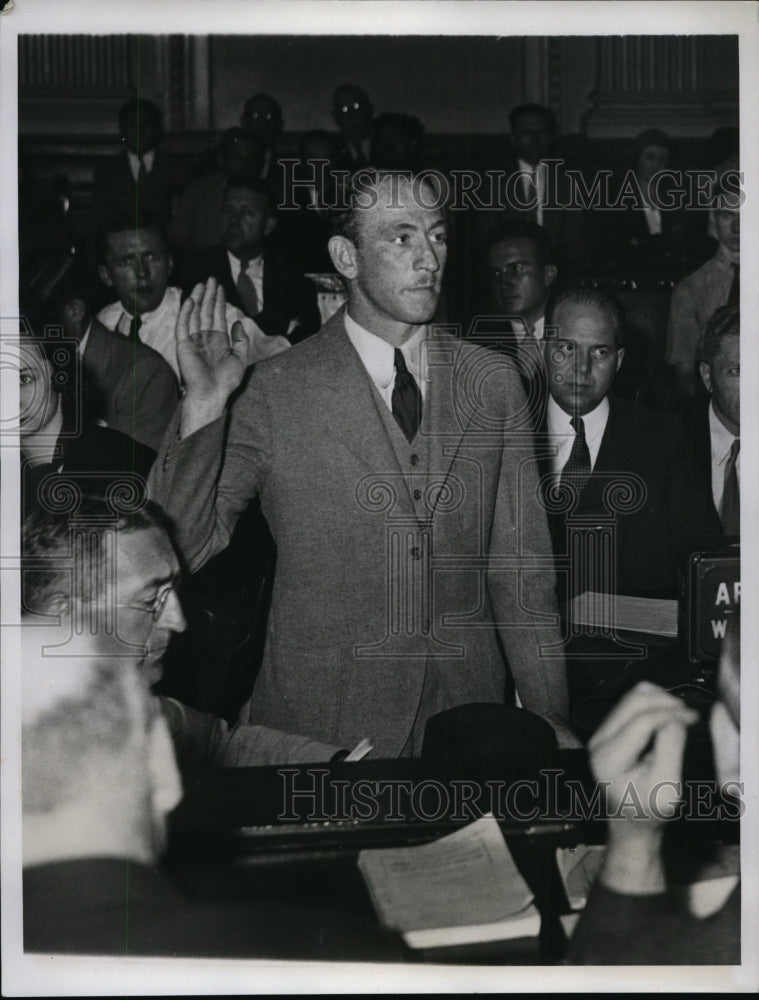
column 136, row 263
column 366, row 441
column 614, row 467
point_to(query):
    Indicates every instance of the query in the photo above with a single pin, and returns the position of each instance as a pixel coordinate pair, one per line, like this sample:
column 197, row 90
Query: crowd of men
column 433, row 482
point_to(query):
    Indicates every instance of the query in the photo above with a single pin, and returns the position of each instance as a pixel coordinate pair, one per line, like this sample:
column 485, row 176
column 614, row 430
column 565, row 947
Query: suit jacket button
column 416, row 552
column 415, row 459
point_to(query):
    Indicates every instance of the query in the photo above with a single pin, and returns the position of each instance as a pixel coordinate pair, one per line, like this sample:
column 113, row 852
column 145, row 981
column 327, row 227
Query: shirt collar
column 537, row 330
column 83, row 342
column 721, row 437
column 594, row 422
column 147, row 158
column 378, row 357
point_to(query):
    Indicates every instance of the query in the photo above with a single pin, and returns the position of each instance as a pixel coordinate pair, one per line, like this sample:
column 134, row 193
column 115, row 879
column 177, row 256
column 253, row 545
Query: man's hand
column 212, row 366
column 637, row 753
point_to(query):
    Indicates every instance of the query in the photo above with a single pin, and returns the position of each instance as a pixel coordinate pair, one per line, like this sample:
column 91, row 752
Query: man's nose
column 173, row 617
column 583, row 362
column 426, row 257
column 141, row 267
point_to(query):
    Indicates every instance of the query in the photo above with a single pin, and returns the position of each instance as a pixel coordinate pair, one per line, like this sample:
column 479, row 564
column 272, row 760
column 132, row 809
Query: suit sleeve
column 202, row 740
column 523, row 593
column 205, row 481
column 692, row 519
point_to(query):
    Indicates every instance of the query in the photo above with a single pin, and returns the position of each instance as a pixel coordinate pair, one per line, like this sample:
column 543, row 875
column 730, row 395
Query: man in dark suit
column 534, row 186
column 353, row 113
column 378, row 436
column 262, row 118
column 520, row 271
column 281, row 303
column 127, row 384
column 629, row 468
column 142, row 174
column 715, row 421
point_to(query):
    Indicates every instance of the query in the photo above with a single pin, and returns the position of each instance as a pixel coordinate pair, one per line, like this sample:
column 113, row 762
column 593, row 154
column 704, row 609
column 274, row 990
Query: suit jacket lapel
column 615, row 456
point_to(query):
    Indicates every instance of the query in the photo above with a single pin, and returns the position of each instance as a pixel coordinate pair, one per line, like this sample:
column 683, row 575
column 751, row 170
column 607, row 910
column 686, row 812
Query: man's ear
column 104, row 275
column 343, row 254
column 620, row 357
column 706, row 375
column 549, row 274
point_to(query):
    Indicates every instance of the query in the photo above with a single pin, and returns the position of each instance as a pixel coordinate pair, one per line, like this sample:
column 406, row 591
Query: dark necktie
column 247, row 290
column 734, row 297
column 406, row 399
column 134, row 329
column 730, row 513
column 577, row 470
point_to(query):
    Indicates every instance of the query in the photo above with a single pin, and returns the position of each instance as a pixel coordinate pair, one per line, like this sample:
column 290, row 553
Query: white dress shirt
column 157, row 329
column 134, row 163
column 561, row 434
column 255, row 273
column 721, row 442
column 378, row 357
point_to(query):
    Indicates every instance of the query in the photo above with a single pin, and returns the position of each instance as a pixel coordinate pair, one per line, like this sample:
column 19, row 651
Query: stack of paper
column 461, row 889
column 633, row 614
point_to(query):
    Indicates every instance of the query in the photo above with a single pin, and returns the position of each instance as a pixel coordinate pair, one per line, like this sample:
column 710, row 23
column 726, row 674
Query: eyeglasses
column 155, row 608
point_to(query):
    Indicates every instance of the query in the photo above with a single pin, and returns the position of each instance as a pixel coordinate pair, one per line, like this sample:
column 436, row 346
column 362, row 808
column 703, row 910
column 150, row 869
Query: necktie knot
column 577, row 470
column 134, row 328
column 578, row 425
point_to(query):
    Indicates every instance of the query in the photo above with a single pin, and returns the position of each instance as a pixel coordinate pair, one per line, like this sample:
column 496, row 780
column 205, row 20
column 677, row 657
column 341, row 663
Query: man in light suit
column 399, row 485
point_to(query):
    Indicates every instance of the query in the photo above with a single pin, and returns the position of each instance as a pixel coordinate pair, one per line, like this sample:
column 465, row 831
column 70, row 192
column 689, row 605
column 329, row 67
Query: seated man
column 99, row 779
column 615, row 462
column 127, row 384
column 715, row 422
column 139, row 582
column 521, row 272
column 282, row 304
column 632, row 917
column 55, row 440
column 716, row 283
column 136, row 264
column 262, row 118
column 353, row 113
column 198, row 220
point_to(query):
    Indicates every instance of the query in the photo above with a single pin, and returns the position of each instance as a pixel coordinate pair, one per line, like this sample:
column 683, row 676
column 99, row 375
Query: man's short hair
column 261, row 96
column 523, row 230
column 122, row 222
column 532, row 109
column 594, row 298
column 79, row 732
column 345, row 218
column 249, row 182
column 142, row 107
column 726, row 192
column 652, row 137
column 55, row 565
column 725, row 322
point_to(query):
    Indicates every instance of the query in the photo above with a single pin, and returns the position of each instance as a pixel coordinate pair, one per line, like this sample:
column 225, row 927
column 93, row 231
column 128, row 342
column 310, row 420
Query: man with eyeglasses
column 281, row 303
column 136, row 264
column 117, row 574
column 353, row 113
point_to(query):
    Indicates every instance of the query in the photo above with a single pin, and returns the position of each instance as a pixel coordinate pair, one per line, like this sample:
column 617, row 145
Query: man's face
column 722, row 379
column 262, row 117
column 532, row 137
column 247, row 220
column 396, row 268
column 727, row 223
column 141, row 132
column 352, row 113
column 137, row 266
column 582, row 361
column 519, row 285
column 147, row 575
column 38, row 401
column 651, row 160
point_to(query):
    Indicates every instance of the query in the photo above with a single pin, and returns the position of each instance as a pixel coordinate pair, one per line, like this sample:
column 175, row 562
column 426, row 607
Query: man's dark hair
column 261, row 96
column 57, row 563
column 345, row 218
column 524, row 230
column 652, row 137
column 249, row 182
column 362, row 94
column 725, row 322
column 142, row 107
column 533, row 109
column 123, row 222
column 726, row 192
column 594, row 298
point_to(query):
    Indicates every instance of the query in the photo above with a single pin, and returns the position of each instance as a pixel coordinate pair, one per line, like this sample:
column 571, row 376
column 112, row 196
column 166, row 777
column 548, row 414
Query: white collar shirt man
column 378, row 358
column 157, row 329
column 561, row 434
column 148, row 159
column 534, row 186
column 255, row 271
column 721, row 443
